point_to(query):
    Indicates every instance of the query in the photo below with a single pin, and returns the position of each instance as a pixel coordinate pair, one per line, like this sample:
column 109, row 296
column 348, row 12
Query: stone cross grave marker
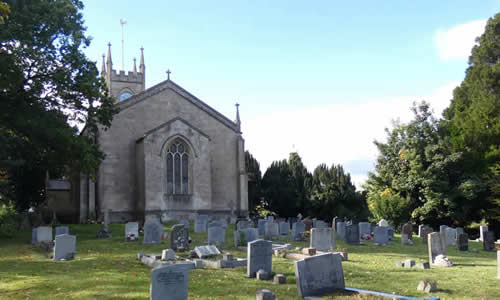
column 463, row 242
column 322, row 239
column 298, row 229
column 284, row 228
column 153, row 231
column 259, row 256
column 381, row 235
column 352, row 234
column 62, row 230
column 364, row 228
column 131, row 231
column 64, row 247
column 217, row 236
column 320, row 274
column 200, row 224
column 170, row 282
column 341, row 231
column 179, row 238
column 436, row 246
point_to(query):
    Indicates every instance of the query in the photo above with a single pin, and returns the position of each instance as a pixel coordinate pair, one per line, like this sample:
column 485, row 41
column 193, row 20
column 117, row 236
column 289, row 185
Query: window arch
column 178, row 167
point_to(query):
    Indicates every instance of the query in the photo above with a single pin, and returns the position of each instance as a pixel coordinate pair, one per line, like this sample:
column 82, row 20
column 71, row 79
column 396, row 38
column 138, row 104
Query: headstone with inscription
column 259, row 256
column 322, row 239
column 436, row 246
column 341, row 231
column 153, row 231
column 62, row 230
column 319, row 275
column 284, row 228
column 217, row 236
column 298, row 229
column 442, row 228
column 261, row 224
column 179, row 238
column 200, row 224
column 64, row 247
column 170, row 282
column 381, row 235
column 420, row 227
column 206, row 251
column 131, row 231
column 463, row 242
column 352, row 234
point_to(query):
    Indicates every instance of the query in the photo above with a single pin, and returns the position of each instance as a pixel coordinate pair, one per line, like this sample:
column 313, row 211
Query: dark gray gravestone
column 217, row 236
column 408, row 230
column 320, row 274
column 272, row 230
column 262, row 226
column 436, row 245
column 381, row 235
column 322, row 239
column 298, row 229
column 352, row 234
column 489, row 241
column 153, row 231
column 44, row 234
column 459, row 230
column 62, row 230
column 200, row 224
column 170, row 282
column 463, row 242
column 64, row 247
column 131, row 231
column 390, row 231
column 244, row 236
column 33, row 235
column 425, row 233
column 341, row 231
column 364, row 228
column 179, row 238
column 284, row 228
column 259, row 256
column 451, row 236
column 185, row 223
column 264, row 294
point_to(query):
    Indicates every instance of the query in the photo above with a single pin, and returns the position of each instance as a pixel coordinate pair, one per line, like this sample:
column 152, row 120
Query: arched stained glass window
column 178, row 168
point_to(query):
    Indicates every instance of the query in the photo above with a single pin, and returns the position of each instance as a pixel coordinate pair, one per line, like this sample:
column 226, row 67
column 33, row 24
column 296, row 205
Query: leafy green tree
column 46, row 83
column 254, row 181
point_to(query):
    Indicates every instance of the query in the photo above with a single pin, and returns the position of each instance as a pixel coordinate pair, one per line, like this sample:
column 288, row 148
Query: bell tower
column 121, row 85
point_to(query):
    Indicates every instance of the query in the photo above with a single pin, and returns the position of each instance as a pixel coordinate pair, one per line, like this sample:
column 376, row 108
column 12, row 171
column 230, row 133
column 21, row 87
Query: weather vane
column 123, row 51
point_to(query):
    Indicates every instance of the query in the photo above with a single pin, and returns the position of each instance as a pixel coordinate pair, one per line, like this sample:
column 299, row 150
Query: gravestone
column 244, row 236
column 298, row 230
column 167, row 254
column 489, row 241
column 341, row 231
column 308, row 224
column 320, row 224
column 442, row 228
column 104, row 232
column 420, row 227
column 425, row 233
column 62, row 230
column 284, row 228
column 319, row 275
column 259, row 256
column 459, row 230
column 463, row 242
column 217, row 236
column 153, row 231
column 64, row 247
column 383, row 223
column 200, row 224
column 381, row 235
column 206, row 251
column 352, row 234
column 405, row 240
column 44, row 234
column 322, row 239
column 33, row 235
column 261, row 224
column 170, row 281
column 185, row 223
column 264, row 294
column 482, row 230
column 221, row 223
column 451, row 236
column 179, row 238
column 408, row 230
column 242, row 224
column 436, row 246
column 334, row 223
column 131, row 231
column 314, row 220
column 390, row 231
column 270, row 218
column 272, row 230
column 364, row 228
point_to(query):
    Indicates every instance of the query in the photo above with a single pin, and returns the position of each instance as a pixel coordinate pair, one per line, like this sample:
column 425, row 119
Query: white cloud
column 337, row 133
column 457, row 42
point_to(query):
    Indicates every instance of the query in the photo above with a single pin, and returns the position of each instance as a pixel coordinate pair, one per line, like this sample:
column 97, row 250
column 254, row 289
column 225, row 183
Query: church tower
column 121, row 85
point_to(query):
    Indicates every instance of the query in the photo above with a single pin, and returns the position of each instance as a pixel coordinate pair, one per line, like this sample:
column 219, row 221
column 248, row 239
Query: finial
column 168, row 74
column 238, row 121
column 110, row 61
column 142, row 67
column 103, row 67
column 135, row 68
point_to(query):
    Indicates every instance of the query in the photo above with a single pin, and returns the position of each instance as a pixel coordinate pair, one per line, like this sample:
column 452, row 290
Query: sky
column 321, row 78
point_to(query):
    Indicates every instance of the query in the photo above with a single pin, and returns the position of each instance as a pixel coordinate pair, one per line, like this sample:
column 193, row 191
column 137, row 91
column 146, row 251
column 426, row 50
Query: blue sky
column 323, row 78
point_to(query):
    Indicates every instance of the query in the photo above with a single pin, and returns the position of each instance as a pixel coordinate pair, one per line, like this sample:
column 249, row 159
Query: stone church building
column 168, row 154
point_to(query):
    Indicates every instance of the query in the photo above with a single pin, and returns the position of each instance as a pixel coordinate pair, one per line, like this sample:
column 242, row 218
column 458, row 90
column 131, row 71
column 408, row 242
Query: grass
column 108, row 269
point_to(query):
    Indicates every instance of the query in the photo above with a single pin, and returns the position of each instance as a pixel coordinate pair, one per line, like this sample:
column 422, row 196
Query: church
column 168, row 155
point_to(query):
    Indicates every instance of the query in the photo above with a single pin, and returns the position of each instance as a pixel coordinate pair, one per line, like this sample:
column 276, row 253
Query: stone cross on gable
column 168, row 74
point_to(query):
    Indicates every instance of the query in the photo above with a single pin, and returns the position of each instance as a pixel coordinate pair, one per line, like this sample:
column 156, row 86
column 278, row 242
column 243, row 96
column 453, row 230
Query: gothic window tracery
column 178, row 168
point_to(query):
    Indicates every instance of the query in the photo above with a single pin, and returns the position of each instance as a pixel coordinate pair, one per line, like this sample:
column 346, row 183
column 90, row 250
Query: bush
column 9, row 221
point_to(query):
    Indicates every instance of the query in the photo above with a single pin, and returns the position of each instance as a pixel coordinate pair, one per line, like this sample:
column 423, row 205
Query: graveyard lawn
column 108, row 269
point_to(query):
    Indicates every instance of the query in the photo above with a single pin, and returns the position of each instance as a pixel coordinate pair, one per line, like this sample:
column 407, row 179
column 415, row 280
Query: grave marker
column 463, row 242
column 62, row 230
column 408, row 230
column 261, row 224
column 217, row 236
column 341, row 231
column 322, row 239
column 352, row 234
column 381, row 235
column 259, row 256
column 364, row 228
column 64, row 247
column 179, row 238
column 44, row 234
column 284, row 228
column 131, row 231
column 170, row 281
column 489, row 241
column 200, row 224
column 298, row 229
column 436, row 246
column 153, row 231
column 319, row 275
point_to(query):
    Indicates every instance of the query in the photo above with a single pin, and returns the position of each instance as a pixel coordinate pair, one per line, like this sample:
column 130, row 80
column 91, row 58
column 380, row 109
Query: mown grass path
column 108, row 269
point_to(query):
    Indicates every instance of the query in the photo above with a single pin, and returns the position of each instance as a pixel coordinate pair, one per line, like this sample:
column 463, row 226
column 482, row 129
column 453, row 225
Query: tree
column 279, row 189
column 46, row 83
column 303, row 182
column 254, row 181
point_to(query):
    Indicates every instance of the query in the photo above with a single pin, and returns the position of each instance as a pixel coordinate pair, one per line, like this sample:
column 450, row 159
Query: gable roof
column 170, row 85
column 168, row 123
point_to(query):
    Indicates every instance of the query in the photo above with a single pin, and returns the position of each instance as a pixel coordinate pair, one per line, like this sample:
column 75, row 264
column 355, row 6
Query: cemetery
column 288, row 268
